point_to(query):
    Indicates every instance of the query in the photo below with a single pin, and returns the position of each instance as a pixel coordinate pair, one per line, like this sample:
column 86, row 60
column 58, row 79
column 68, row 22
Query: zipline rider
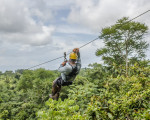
column 69, row 70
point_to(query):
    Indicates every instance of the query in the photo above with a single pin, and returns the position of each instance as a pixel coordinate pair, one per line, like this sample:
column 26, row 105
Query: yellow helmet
column 73, row 56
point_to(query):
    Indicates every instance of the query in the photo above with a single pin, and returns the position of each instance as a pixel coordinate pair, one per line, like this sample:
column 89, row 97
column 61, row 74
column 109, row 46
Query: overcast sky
column 36, row 31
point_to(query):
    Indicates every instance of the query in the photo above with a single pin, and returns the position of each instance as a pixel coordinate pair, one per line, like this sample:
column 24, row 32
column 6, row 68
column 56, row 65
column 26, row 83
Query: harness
column 74, row 71
column 72, row 74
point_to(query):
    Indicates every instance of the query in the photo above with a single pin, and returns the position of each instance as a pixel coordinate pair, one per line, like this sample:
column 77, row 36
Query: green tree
column 26, row 81
column 123, row 42
column 61, row 110
column 1, row 72
column 19, row 71
column 8, row 72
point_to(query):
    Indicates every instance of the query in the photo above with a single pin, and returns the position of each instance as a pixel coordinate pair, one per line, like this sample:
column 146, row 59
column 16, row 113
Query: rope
column 88, row 42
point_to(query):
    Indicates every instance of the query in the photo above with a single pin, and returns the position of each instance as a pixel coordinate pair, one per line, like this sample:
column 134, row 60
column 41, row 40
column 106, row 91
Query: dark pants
column 56, row 87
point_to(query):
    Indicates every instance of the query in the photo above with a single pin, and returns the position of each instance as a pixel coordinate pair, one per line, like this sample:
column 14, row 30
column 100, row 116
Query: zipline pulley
column 65, row 59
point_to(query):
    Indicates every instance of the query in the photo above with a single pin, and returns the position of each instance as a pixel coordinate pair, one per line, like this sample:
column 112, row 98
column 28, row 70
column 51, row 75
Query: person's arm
column 78, row 62
column 64, row 70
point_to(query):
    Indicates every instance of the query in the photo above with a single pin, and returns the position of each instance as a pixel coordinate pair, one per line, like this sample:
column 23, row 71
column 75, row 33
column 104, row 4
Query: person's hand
column 64, row 63
column 76, row 50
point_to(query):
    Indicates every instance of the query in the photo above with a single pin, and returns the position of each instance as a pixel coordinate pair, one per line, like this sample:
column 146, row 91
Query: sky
column 36, row 31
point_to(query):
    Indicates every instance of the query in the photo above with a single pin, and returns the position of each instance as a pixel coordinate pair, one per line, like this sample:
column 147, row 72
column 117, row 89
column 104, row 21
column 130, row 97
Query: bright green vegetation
column 96, row 94
column 22, row 95
column 116, row 90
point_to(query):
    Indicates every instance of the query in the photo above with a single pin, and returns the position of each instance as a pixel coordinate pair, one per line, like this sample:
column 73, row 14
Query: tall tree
column 123, row 42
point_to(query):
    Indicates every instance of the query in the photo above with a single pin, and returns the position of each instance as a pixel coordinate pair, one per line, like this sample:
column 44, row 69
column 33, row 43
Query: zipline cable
column 89, row 41
column 45, row 62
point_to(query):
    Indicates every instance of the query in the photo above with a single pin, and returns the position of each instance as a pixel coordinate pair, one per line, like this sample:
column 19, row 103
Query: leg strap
column 67, row 83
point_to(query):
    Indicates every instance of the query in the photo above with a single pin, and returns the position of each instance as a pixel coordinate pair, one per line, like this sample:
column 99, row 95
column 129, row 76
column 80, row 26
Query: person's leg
column 56, row 87
column 56, row 95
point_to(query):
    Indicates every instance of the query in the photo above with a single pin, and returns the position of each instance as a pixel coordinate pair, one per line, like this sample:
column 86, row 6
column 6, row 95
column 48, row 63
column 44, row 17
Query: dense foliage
column 23, row 94
column 96, row 94
column 104, row 98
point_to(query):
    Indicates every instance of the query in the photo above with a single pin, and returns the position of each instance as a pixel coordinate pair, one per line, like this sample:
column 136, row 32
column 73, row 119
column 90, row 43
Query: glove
column 64, row 63
column 76, row 50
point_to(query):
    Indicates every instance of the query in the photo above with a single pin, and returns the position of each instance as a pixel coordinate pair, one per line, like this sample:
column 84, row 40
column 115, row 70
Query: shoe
column 50, row 95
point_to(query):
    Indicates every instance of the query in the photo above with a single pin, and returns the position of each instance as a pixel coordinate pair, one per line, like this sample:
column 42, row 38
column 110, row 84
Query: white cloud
column 35, row 39
column 13, row 18
column 40, row 10
column 65, row 44
column 74, row 29
column 96, row 14
column 59, row 4
column 17, row 25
